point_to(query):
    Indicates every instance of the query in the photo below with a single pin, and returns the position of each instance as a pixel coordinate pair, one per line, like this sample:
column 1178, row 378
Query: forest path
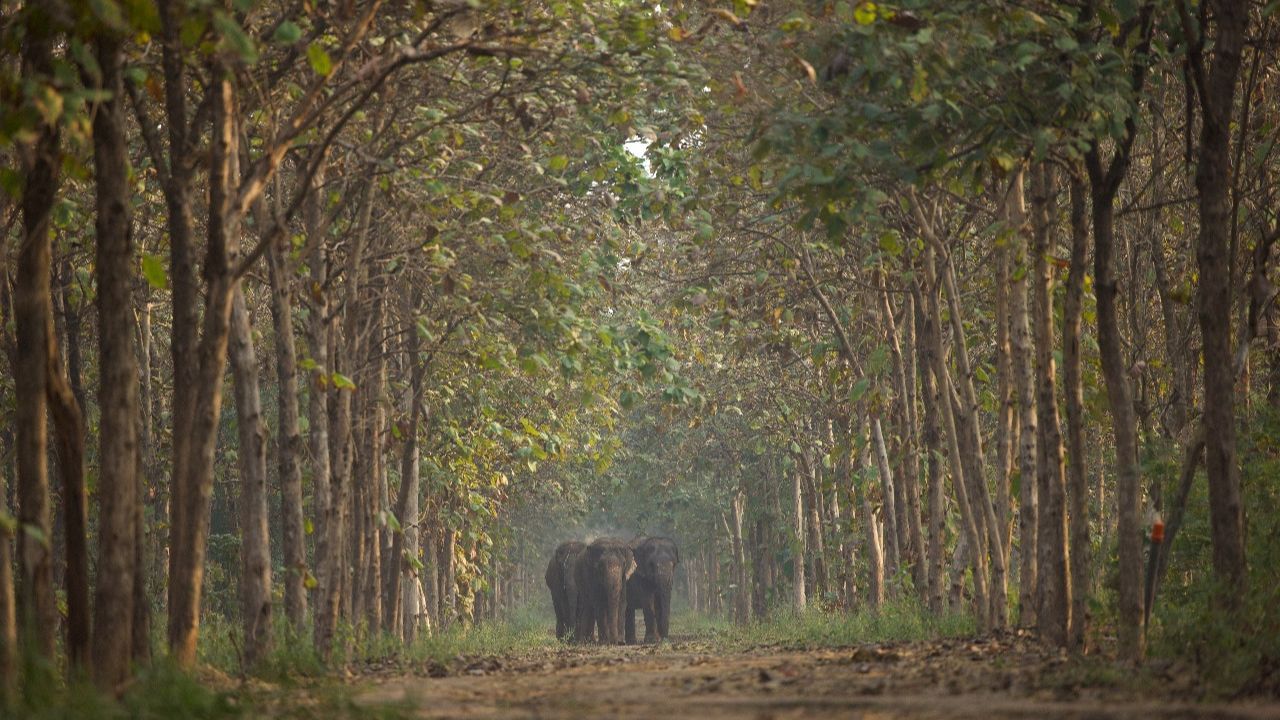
column 979, row 678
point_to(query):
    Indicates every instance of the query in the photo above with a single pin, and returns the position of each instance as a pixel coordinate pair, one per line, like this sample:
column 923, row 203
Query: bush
column 1235, row 653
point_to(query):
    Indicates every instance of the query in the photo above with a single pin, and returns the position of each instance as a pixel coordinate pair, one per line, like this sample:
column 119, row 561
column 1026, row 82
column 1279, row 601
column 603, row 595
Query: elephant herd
column 598, row 587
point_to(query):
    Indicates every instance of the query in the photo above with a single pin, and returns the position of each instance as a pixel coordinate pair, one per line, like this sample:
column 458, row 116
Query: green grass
column 898, row 620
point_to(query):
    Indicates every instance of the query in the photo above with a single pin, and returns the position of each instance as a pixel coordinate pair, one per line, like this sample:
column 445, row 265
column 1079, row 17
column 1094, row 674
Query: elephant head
column 564, row 588
column 656, row 560
column 602, row 572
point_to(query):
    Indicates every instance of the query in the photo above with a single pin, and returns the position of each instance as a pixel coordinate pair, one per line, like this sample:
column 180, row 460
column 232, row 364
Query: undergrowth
column 897, row 620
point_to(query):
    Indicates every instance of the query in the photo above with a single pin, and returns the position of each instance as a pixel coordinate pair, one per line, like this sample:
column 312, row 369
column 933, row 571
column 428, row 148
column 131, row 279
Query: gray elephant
column 563, row 585
column 602, row 571
column 649, row 589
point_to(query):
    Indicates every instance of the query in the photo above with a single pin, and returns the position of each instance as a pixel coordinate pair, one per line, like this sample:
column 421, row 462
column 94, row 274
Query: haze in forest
column 863, row 327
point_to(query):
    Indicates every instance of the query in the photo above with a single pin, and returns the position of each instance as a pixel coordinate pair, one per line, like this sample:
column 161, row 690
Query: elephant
column 602, row 572
column 649, row 589
column 563, row 586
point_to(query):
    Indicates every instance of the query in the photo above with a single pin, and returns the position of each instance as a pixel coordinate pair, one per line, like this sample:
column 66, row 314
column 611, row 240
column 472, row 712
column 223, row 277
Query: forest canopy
column 328, row 321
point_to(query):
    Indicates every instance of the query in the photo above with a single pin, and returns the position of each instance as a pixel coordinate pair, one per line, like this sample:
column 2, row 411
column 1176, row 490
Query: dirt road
column 981, row 679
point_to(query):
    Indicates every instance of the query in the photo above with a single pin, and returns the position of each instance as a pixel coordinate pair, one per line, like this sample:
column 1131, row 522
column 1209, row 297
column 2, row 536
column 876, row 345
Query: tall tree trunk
column 327, row 538
column 290, row 441
column 118, row 386
column 1006, row 411
column 194, row 478
column 982, row 605
column 892, row 557
column 8, row 613
column 431, row 570
column 407, row 559
column 36, row 349
column 1214, row 259
column 1073, row 391
column 9, row 656
column 971, row 444
column 873, row 547
column 816, row 554
column 179, row 201
column 1024, row 384
column 799, row 600
column 255, row 549
column 405, row 552
column 931, row 440
column 1053, row 582
column 905, row 360
column 376, row 410
column 66, row 398
column 742, row 597
column 1124, row 421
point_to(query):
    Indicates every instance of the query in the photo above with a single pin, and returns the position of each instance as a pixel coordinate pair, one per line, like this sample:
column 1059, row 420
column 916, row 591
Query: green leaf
column 307, row 527
column 865, row 13
column 235, row 36
column 392, row 522
column 287, row 33
column 36, row 533
column 859, row 389
column 154, row 271
column 342, row 382
column 414, row 562
column 557, row 163
column 319, row 59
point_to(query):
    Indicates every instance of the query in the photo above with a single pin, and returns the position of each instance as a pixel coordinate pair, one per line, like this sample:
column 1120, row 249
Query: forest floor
column 986, row 678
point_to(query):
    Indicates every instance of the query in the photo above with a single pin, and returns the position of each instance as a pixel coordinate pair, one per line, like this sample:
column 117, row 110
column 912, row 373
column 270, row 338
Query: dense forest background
column 326, row 321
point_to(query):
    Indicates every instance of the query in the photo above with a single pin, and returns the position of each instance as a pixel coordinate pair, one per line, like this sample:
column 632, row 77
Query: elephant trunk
column 614, row 605
column 664, row 579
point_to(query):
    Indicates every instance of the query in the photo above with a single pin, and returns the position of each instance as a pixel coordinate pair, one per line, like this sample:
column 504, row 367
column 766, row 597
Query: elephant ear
column 641, row 553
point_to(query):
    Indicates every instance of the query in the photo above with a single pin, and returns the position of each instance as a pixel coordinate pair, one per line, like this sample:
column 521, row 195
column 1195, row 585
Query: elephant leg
column 558, row 603
column 602, row 625
column 663, row 607
column 629, row 617
column 571, row 614
column 583, row 626
column 649, row 626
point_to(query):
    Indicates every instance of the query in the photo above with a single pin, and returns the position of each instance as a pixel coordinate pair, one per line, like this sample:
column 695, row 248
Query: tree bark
column 799, row 600
column 1124, row 422
column 405, row 554
column 1006, row 411
column 742, row 596
column 255, row 549
column 1214, row 260
column 293, row 536
column 36, row 349
column 194, row 479
column 911, row 448
column 874, row 548
column 118, row 389
column 982, row 605
column 179, row 199
column 1053, row 582
column 1023, row 374
column 933, row 452
column 1073, row 392
column 66, row 398
column 892, row 557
